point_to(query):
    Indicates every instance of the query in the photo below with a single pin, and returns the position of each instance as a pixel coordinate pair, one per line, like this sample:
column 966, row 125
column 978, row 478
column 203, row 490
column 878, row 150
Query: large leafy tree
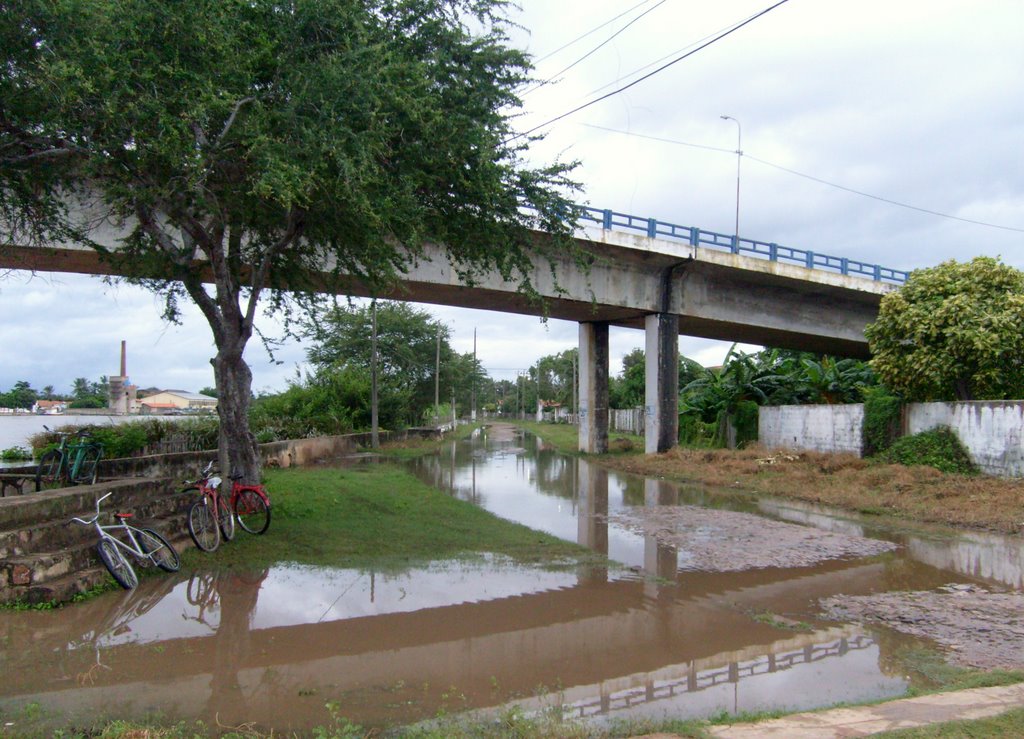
column 954, row 331
column 246, row 145
column 411, row 347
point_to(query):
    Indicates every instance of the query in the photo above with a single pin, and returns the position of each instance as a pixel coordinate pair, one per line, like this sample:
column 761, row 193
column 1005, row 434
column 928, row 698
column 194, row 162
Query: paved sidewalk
column 907, row 713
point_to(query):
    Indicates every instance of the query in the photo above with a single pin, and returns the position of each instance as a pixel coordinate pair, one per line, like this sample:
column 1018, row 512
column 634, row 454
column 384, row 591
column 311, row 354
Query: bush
column 693, row 432
column 744, row 420
column 15, row 454
column 939, row 448
column 882, row 416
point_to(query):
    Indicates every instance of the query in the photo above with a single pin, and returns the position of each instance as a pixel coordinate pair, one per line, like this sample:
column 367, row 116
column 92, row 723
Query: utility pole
column 374, row 430
column 739, row 158
column 472, row 400
column 575, row 399
column 437, row 379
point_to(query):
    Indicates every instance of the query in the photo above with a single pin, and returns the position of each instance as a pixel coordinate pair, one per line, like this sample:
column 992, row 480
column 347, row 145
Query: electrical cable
column 595, row 29
column 807, row 176
column 608, row 40
column 635, row 82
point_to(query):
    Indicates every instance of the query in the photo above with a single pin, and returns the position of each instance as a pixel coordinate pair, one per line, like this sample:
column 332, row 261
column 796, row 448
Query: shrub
column 939, row 448
column 882, row 416
column 15, row 454
column 693, row 432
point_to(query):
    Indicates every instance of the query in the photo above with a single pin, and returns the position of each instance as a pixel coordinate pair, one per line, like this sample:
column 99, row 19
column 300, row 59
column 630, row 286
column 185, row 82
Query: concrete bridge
column 645, row 274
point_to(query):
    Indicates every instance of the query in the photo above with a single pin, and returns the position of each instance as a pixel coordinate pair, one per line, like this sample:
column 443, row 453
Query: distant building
column 169, row 401
column 50, row 407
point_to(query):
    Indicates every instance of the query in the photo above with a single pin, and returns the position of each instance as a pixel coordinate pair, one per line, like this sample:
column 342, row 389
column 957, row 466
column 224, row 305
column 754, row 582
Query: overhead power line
column 660, row 69
column 593, row 51
column 808, row 177
column 595, row 29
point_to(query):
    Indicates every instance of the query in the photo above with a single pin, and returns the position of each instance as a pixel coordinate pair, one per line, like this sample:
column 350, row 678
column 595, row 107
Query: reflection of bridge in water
column 707, row 674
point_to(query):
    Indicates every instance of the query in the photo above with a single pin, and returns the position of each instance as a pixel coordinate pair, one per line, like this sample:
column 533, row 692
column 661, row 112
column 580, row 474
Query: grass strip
column 379, row 515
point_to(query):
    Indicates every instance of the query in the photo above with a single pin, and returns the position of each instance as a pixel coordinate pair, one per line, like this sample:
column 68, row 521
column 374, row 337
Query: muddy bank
column 713, row 540
column 918, row 493
column 977, row 627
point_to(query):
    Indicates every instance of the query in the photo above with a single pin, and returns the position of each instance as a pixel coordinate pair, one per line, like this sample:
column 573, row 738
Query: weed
column 939, row 448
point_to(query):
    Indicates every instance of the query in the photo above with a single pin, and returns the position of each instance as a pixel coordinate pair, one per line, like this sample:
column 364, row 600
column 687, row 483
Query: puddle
column 701, row 622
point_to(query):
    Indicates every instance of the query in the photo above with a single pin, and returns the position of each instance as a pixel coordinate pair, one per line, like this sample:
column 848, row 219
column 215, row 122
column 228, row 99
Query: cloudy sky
column 889, row 132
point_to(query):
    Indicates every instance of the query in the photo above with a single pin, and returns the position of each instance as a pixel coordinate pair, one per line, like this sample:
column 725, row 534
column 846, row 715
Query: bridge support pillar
column 661, row 417
column 593, row 388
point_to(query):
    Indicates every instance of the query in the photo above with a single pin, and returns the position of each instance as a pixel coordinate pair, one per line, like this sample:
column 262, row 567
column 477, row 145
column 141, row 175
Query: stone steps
column 43, row 557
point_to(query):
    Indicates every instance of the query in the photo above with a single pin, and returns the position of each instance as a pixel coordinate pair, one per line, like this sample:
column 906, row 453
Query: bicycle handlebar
column 93, row 520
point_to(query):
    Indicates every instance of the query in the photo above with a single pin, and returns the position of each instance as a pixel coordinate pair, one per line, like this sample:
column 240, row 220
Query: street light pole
column 739, row 156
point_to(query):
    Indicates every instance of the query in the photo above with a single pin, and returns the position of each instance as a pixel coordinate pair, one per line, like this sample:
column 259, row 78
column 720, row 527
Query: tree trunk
column 237, row 445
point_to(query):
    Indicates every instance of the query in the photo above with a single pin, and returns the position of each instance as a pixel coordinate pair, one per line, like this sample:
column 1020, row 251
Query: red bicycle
column 251, row 504
column 209, row 518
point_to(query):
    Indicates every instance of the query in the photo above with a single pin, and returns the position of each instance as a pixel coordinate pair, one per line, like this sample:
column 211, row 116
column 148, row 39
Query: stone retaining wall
column 42, row 559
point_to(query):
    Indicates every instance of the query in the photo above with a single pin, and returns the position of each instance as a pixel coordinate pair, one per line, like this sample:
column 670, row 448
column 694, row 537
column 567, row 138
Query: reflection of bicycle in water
column 114, row 627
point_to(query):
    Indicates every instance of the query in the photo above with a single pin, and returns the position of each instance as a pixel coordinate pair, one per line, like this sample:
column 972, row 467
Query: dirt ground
column 978, row 628
column 729, row 541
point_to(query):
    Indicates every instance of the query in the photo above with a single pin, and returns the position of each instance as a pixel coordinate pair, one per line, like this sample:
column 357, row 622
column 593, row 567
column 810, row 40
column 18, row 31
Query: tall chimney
column 124, row 358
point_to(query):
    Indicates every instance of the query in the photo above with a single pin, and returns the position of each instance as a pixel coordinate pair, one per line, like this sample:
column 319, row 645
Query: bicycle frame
column 104, row 533
column 75, row 461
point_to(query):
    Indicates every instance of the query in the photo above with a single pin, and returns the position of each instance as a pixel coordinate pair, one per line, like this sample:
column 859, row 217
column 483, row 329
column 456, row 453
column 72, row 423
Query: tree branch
column 231, row 120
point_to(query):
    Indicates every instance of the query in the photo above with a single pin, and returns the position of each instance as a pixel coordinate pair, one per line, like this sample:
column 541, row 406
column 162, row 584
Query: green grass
column 1007, row 724
column 566, row 437
column 378, row 515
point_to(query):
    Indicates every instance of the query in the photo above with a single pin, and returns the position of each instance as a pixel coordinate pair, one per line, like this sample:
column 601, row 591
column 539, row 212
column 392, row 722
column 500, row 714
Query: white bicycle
column 145, row 545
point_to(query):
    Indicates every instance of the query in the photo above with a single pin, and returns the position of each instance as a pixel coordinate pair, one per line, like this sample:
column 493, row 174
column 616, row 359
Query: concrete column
column 593, row 403
column 661, row 424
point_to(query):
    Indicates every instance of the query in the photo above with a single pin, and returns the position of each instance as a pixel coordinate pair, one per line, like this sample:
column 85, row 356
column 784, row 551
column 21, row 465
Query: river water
column 15, row 431
column 671, row 633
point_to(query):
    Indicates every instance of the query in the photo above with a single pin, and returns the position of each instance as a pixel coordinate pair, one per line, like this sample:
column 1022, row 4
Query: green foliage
column 127, row 439
column 15, row 454
column 744, row 421
column 20, row 396
column 693, row 432
column 882, row 419
column 939, row 448
column 953, row 332
column 121, row 440
column 333, row 402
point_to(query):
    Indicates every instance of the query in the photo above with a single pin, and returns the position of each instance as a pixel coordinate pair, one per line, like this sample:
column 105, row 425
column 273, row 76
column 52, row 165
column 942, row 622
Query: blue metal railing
column 612, row 220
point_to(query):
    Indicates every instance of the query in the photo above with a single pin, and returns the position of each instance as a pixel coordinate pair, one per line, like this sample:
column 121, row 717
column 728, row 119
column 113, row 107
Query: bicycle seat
column 122, row 516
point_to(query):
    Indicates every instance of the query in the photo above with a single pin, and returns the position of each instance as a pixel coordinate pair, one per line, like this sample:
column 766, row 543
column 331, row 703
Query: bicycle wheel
column 116, row 564
column 225, row 518
column 199, row 590
column 202, row 525
column 48, row 473
column 252, row 511
column 88, row 466
column 160, row 550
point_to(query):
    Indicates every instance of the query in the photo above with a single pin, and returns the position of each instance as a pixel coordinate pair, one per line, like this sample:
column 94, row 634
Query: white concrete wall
column 819, row 428
column 992, row 431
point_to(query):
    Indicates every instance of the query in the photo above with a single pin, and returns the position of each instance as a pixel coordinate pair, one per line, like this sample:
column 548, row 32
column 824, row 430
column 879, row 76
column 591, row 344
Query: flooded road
column 718, row 612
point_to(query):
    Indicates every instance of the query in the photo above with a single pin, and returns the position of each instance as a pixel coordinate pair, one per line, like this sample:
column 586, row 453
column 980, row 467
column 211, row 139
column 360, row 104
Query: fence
column 769, row 251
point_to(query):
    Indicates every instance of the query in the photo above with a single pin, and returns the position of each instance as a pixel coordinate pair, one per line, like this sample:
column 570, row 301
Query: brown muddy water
column 715, row 608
